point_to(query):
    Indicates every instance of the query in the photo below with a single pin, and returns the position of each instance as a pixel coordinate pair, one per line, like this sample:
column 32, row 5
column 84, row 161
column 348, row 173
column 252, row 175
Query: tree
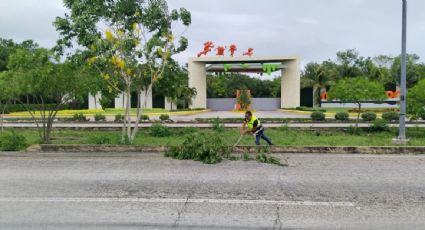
column 414, row 70
column 383, row 73
column 318, row 76
column 357, row 90
column 244, row 99
column 8, row 47
column 416, row 98
column 349, row 61
column 225, row 86
column 6, row 96
column 32, row 73
column 174, row 85
column 130, row 42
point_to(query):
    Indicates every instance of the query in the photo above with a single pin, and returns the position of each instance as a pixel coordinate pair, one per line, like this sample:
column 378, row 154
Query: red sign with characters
column 208, row 46
column 249, row 53
column 221, row 50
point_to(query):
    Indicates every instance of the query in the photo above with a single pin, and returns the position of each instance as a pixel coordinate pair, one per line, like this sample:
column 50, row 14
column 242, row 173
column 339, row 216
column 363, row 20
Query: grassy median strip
column 283, row 136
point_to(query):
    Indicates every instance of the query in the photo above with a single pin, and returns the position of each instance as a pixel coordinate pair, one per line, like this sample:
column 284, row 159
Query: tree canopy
column 382, row 68
column 129, row 42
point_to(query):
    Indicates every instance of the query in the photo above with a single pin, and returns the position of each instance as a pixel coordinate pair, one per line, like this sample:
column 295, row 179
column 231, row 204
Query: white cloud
column 312, row 29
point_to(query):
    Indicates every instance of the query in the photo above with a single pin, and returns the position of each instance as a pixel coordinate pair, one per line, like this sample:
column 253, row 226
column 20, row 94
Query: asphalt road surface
column 151, row 192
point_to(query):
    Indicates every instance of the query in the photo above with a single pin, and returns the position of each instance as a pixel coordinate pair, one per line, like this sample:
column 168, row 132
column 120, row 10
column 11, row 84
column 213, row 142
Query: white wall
column 94, row 102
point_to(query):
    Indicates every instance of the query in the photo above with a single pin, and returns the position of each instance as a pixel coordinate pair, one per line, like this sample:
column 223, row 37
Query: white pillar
column 291, row 84
column 94, row 102
column 168, row 104
column 120, row 101
column 198, row 80
column 149, row 103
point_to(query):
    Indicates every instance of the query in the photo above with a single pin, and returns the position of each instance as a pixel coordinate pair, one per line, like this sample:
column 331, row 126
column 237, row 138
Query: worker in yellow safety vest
column 255, row 128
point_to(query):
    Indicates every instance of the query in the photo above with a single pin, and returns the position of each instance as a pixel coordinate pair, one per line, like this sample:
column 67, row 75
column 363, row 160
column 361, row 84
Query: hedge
column 14, row 108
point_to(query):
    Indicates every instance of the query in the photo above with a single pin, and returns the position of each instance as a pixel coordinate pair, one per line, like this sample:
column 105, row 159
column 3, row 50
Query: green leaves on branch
column 416, row 98
column 128, row 42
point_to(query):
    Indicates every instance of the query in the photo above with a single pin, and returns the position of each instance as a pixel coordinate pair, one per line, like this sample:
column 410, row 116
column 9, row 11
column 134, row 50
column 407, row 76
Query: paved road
column 150, row 192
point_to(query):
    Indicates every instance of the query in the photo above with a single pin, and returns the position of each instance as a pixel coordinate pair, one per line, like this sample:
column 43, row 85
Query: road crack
column 181, row 211
column 277, row 222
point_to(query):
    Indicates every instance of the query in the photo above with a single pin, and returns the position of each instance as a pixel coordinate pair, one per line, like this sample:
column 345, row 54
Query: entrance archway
column 288, row 66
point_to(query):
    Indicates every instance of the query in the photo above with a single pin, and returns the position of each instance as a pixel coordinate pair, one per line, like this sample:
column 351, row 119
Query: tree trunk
column 139, row 110
column 316, row 96
column 358, row 117
column 128, row 113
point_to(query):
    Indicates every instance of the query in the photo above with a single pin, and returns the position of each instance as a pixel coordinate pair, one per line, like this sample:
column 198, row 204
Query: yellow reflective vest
column 250, row 123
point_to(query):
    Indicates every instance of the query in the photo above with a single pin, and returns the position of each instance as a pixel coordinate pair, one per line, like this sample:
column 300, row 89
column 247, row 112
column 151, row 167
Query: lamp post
column 402, row 128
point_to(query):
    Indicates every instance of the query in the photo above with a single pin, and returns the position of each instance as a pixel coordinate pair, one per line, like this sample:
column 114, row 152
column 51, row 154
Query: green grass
column 281, row 136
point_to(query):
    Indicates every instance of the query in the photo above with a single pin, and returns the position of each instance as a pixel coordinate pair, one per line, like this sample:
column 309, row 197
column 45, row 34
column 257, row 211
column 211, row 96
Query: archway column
column 291, row 84
column 198, row 80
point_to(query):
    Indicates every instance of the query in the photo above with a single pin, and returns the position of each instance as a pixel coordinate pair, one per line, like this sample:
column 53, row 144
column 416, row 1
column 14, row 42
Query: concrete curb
column 416, row 150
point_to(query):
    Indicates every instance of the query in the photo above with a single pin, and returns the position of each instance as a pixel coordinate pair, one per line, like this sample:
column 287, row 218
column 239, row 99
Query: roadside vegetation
column 379, row 134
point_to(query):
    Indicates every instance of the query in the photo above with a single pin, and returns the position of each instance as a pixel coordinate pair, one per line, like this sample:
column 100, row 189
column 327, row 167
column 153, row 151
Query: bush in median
column 379, row 126
column 369, row 116
column 342, row 116
column 159, row 130
column 421, row 114
column 144, row 118
column 217, row 125
column 119, row 118
column 391, row 116
column 79, row 117
column 99, row 117
column 164, row 117
column 318, row 116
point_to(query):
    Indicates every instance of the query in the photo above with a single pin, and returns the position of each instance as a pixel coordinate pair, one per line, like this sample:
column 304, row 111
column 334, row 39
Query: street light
column 402, row 127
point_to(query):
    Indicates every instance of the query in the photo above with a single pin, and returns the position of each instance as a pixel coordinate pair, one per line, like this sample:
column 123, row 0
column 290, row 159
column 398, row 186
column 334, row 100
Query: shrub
column 391, row 116
column 352, row 130
column 145, row 117
column 119, row 118
column 415, row 132
column 217, row 125
column 379, row 126
column 164, row 117
column 244, row 99
column 14, row 108
column 99, row 117
column 159, row 130
column 413, row 118
column 369, row 116
column 318, row 116
column 246, row 157
column 185, row 131
column 101, row 140
column 12, row 142
column 79, row 117
column 342, row 116
column 207, row 148
column 421, row 114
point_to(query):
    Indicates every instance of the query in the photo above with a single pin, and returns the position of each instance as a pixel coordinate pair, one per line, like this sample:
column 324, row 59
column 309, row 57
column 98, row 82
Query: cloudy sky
column 312, row 29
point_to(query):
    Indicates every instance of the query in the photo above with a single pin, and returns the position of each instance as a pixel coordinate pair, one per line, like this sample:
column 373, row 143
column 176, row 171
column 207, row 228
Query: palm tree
column 318, row 77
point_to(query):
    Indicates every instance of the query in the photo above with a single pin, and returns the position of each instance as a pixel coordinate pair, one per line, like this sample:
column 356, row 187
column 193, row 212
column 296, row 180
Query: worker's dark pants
column 263, row 136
